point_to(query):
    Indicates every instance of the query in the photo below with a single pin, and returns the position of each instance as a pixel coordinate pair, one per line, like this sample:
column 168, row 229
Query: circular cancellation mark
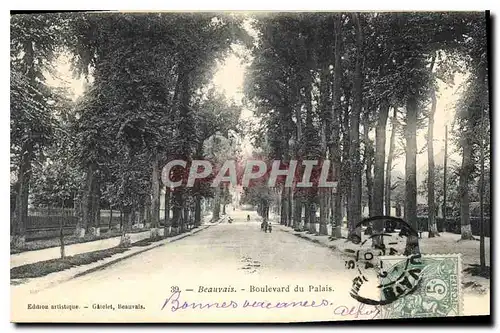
column 391, row 282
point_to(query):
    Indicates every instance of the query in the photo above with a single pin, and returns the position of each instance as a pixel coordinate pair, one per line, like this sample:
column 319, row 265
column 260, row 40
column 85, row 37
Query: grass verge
column 46, row 267
column 148, row 241
column 41, row 244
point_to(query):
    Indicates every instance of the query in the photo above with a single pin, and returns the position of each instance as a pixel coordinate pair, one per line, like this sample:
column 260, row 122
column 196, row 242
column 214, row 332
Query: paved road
column 237, row 255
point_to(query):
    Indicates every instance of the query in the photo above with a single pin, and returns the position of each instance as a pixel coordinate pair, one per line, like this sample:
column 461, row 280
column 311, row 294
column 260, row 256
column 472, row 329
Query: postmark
column 372, row 273
column 438, row 293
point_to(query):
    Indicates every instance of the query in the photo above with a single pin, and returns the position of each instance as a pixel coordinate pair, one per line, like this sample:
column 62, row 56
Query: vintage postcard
column 249, row 167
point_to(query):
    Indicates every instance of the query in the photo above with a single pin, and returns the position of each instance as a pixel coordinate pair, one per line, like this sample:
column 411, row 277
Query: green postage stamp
column 436, row 293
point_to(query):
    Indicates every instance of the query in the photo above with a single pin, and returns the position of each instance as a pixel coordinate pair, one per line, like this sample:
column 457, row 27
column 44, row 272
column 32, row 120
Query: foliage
column 452, row 194
column 34, row 42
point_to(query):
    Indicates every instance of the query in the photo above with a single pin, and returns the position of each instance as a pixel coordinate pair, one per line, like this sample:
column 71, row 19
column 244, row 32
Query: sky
column 63, row 77
column 445, row 113
column 229, row 80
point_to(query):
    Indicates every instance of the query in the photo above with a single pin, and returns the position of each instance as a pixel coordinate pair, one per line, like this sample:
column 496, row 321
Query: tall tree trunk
column 378, row 170
column 155, row 199
column 186, row 218
column 197, row 210
column 312, row 218
column 266, row 211
column 390, row 157
column 61, row 233
column 224, row 199
column 290, row 206
column 77, row 207
column 110, row 220
column 176, row 209
column 145, row 212
column 96, row 207
column 328, row 206
column 445, row 175
column 482, row 254
column 166, row 218
column 343, row 191
column 297, row 215
column 23, row 178
column 326, row 129
column 297, row 194
column 216, row 204
column 25, row 170
column 136, row 214
column 431, row 201
column 337, row 213
column 335, row 153
column 310, row 143
column 323, row 211
column 283, row 206
column 182, row 217
column 197, row 196
column 345, row 176
column 322, row 192
column 411, row 173
column 465, row 174
column 185, row 130
column 483, row 77
column 127, row 223
column 307, row 216
column 354, row 208
column 368, row 161
column 121, row 217
column 286, row 127
column 87, row 202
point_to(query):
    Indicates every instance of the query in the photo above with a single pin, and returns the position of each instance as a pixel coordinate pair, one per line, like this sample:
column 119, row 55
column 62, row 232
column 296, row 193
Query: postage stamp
column 437, row 291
